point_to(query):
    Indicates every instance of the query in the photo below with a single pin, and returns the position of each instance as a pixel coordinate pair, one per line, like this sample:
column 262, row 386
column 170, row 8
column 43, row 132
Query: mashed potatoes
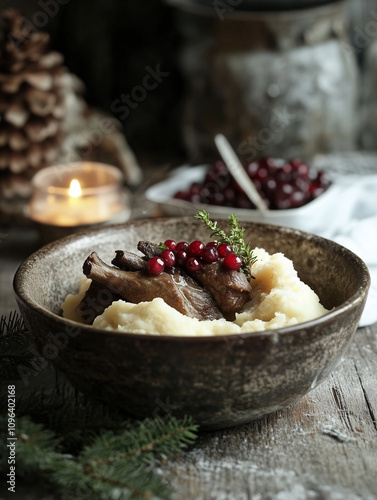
column 279, row 299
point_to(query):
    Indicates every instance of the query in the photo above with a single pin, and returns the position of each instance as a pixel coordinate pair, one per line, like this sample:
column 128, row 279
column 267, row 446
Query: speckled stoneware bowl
column 219, row 381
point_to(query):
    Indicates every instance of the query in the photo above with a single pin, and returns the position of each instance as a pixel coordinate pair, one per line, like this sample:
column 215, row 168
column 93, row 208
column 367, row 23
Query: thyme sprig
column 234, row 238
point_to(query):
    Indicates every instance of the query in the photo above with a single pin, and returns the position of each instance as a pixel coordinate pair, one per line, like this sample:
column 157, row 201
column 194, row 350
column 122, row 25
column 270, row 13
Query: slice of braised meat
column 230, row 290
column 128, row 261
column 97, row 298
column 149, row 249
column 177, row 290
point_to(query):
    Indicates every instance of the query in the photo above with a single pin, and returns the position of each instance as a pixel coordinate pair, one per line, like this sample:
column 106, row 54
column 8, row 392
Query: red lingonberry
column 300, row 169
column 196, row 248
column 181, row 245
column 171, row 244
column 252, row 168
column 212, row 244
column 232, row 262
column 242, row 201
column 209, row 255
column 168, row 257
column 194, row 189
column 229, row 196
column 224, row 249
column 181, row 257
column 156, row 265
column 193, row 265
column 261, row 174
column 181, row 195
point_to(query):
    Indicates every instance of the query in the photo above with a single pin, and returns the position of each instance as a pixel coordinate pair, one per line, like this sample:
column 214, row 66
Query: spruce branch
column 115, row 465
column 12, row 323
column 148, row 439
column 35, row 446
column 15, row 347
column 70, row 414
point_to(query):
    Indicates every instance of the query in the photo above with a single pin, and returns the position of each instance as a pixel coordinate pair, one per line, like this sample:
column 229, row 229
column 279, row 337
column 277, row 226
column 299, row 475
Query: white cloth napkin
column 353, row 224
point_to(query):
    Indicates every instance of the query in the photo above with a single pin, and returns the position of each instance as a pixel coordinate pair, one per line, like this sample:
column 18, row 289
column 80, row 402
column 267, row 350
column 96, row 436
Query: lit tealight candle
column 77, row 195
column 75, row 189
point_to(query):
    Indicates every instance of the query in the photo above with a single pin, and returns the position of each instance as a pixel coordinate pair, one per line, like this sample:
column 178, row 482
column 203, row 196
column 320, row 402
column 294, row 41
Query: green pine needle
column 147, row 439
column 35, row 447
column 15, row 347
column 11, row 323
column 234, row 238
column 115, row 465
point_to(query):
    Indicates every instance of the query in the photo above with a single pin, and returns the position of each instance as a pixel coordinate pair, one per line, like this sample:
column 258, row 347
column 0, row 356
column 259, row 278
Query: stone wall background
column 110, row 44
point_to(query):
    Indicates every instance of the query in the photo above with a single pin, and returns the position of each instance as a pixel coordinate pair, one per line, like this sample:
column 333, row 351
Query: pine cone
column 31, row 97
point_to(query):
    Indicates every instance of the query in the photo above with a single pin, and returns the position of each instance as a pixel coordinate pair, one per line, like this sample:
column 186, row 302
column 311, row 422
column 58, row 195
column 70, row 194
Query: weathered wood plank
column 323, row 447
column 366, row 365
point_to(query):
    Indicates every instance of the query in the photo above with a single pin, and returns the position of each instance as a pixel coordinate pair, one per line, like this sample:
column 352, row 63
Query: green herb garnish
column 234, row 238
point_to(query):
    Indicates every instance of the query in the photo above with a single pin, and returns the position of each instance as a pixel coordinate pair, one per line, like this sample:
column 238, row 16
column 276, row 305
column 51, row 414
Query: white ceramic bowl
column 309, row 217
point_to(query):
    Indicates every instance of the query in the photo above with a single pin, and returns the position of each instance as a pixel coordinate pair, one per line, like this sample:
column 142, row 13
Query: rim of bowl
column 333, row 313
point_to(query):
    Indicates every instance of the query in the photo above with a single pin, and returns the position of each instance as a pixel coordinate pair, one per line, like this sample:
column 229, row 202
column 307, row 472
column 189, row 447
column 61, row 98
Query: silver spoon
column 238, row 172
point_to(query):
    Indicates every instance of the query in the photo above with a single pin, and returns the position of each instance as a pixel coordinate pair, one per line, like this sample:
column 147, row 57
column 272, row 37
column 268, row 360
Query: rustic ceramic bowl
column 219, row 381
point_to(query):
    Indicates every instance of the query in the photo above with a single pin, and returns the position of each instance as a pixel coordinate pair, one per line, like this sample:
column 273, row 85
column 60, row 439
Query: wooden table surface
column 322, row 448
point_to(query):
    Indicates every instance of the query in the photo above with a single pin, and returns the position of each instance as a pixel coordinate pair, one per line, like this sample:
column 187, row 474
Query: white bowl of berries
column 296, row 194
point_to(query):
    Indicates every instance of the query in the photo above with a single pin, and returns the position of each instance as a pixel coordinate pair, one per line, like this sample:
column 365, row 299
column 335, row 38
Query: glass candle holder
column 69, row 197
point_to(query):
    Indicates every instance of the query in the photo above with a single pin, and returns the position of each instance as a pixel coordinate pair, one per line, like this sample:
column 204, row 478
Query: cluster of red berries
column 191, row 256
column 282, row 184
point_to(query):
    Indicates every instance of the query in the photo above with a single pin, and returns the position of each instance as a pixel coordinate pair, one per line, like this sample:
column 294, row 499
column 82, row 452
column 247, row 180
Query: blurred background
column 223, row 65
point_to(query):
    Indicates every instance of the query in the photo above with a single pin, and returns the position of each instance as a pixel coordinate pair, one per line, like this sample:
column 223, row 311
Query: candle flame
column 75, row 188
